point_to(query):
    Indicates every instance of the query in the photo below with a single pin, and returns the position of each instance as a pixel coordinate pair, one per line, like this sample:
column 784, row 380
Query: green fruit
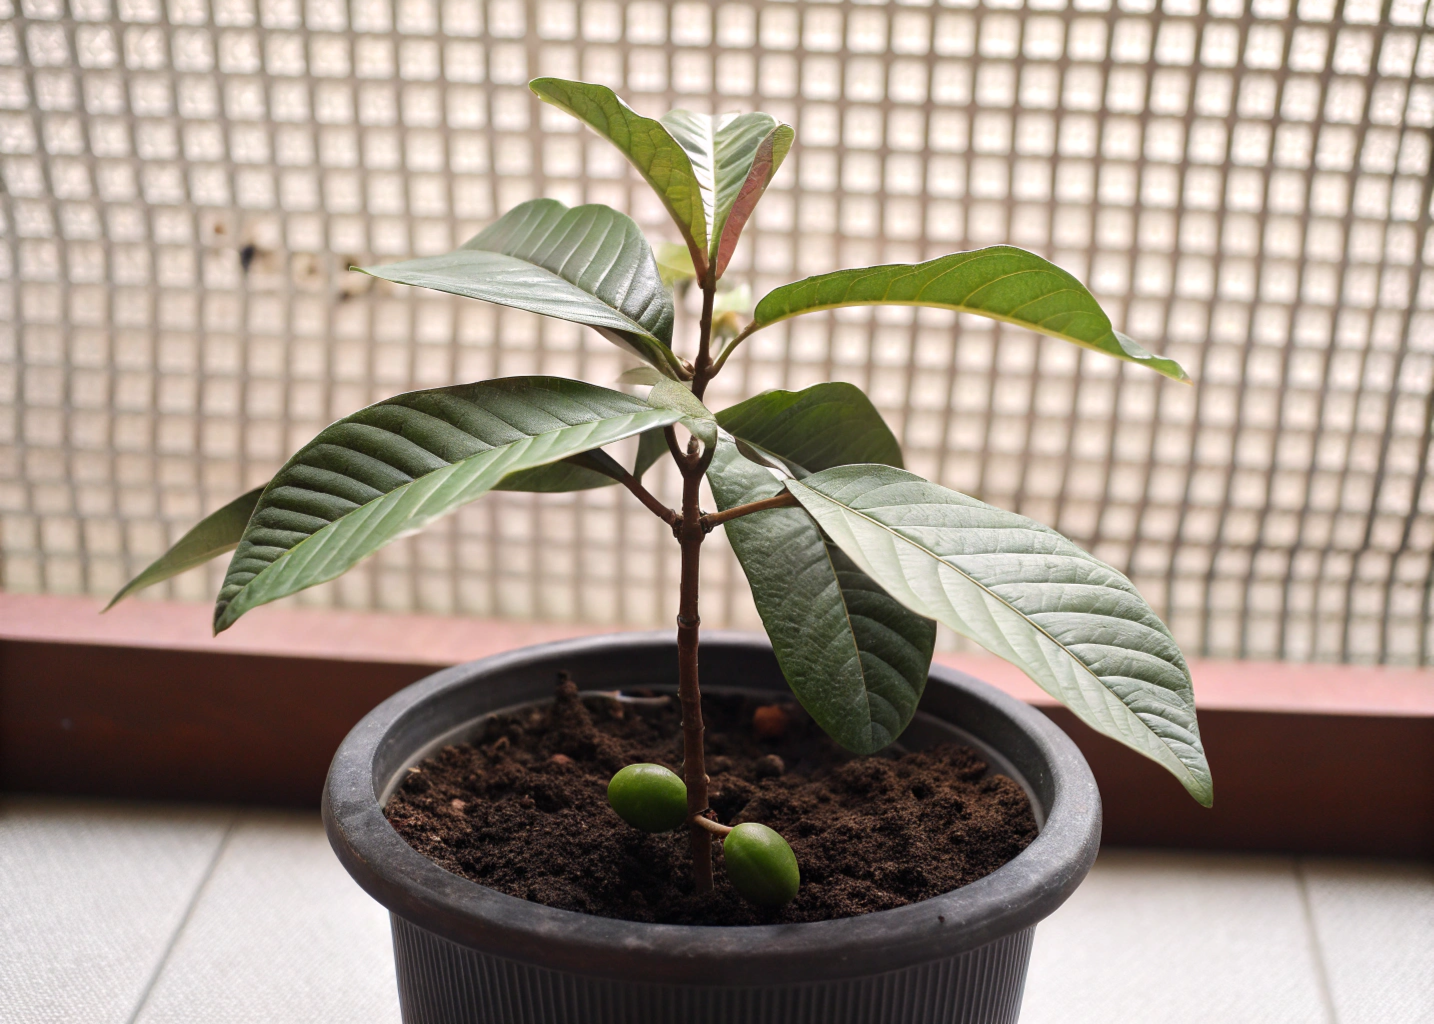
column 649, row 797
column 761, row 865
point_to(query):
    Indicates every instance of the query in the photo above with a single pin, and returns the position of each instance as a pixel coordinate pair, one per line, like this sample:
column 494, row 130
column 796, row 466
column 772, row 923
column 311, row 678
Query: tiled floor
column 115, row 913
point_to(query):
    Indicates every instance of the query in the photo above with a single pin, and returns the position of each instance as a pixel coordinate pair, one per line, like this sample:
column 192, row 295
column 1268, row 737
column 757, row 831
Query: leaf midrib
column 636, row 327
column 631, row 325
column 986, row 590
column 850, row 629
column 298, row 551
column 841, row 596
column 1030, row 325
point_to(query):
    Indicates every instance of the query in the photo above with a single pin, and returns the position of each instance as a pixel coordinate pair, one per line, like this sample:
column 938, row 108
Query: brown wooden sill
column 143, row 703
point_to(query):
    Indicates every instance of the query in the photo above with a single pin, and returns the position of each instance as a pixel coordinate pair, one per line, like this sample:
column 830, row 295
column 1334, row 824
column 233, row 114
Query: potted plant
column 852, row 562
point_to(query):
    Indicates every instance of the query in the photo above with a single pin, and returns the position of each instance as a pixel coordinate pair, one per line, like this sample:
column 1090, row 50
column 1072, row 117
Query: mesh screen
column 1247, row 189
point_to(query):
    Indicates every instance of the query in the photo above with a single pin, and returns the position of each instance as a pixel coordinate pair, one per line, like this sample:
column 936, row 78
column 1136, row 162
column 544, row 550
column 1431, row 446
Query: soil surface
column 524, row 810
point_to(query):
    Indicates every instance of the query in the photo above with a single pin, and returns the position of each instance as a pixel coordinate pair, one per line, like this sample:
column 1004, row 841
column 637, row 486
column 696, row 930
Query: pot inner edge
column 924, row 732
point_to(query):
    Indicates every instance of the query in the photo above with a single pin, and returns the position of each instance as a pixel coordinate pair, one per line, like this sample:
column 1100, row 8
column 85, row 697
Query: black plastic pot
column 466, row 953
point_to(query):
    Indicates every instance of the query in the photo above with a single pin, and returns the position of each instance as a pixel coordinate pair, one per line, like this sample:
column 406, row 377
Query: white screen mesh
column 1246, row 189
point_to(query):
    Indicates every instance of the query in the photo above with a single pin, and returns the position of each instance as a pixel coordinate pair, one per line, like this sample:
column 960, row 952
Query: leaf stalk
column 701, row 821
column 715, row 519
column 656, row 507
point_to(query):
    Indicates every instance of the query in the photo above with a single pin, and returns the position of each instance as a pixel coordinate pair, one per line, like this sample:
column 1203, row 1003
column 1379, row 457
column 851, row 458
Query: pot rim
column 1015, row 896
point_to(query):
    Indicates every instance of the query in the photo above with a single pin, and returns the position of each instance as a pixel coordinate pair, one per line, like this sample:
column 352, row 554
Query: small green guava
column 649, row 797
column 761, row 865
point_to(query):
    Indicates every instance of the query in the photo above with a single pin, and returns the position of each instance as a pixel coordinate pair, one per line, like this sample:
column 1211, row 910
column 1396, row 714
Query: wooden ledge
column 143, row 702
column 438, row 640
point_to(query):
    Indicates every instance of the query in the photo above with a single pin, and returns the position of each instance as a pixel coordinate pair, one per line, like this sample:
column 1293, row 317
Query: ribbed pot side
column 467, row 954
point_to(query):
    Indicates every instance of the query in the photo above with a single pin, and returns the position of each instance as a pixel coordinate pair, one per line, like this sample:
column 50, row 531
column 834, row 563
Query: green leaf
column 855, row 658
column 647, row 144
column 644, row 375
column 733, row 300
column 734, row 157
column 816, row 428
column 1069, row 621
column 215, row 534
column 394, row 467
column 696, row 417
column 589, row 264
column 1002, row 282
column 651, row 446
column 674, row 263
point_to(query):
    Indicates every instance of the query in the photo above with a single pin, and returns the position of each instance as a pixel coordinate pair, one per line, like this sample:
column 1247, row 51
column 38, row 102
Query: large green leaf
column 1069, row 621
column 734, row 157
column 696, row 417
column 651, row 446
column 215, row 534
column 854, row 657
column 589, row 264
column 1002, row 282
column 394, row 467
column 647, row 144
column 816, row 428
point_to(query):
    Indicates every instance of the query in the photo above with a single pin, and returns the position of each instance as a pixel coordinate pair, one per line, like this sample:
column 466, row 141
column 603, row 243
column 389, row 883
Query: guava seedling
column 852, row 559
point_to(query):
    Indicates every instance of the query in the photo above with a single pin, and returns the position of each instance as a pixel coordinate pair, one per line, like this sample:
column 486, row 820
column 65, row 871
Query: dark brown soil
column 524, row 811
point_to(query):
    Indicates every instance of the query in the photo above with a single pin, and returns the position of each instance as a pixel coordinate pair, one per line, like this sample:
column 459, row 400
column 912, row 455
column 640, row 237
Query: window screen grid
column 1246, row 190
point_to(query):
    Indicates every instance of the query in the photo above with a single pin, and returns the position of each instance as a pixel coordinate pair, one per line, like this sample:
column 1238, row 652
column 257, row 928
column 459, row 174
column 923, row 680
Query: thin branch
column 657, row 508
column 622, row 698
column 742, row 336
column 706, row 459
column 678, row 455
column 783, row 500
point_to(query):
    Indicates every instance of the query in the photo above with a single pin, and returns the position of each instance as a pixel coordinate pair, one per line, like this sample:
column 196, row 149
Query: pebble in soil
column 524, row 810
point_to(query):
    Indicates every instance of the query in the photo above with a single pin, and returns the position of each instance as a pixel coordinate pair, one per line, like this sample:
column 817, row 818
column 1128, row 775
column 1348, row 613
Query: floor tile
column 92, row 895
column 1173, row 938
column 1375, row 926
column 280, row 935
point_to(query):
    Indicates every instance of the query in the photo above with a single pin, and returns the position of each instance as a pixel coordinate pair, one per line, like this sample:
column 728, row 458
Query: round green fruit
column 649, row 797
column 761, row 865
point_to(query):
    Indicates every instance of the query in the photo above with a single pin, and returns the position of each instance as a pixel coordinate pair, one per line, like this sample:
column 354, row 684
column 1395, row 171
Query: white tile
column 1176, row 938
column 280, row 935
column 90, row 897
column 1375, row 925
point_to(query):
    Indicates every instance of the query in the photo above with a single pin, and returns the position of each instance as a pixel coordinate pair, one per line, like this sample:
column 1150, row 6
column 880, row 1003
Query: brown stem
column 783, row 500
column 703, row 367
column 678, row 455
column 694, row 767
